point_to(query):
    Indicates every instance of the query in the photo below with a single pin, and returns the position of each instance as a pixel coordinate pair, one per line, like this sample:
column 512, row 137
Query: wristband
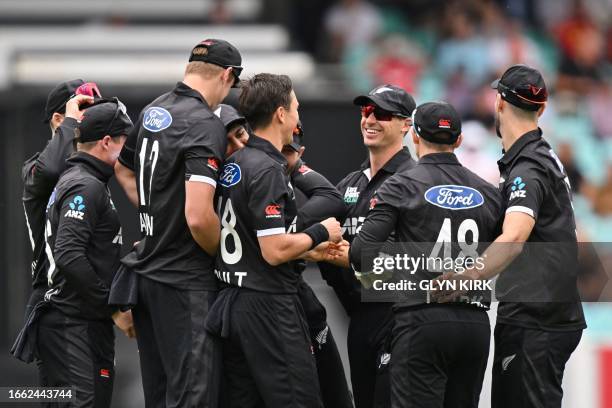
column 318, row 233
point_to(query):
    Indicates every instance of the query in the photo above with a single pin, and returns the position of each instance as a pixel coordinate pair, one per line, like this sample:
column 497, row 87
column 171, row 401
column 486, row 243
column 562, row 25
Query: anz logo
column 231, row 175
column 518, row 188
column 77, row 208
column 452, row 197
column 156, row 119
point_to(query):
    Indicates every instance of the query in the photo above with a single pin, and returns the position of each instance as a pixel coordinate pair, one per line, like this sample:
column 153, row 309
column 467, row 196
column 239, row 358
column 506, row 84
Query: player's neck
column 514, row 130
column 380, row 156
column 272, row 135
column 200, row 85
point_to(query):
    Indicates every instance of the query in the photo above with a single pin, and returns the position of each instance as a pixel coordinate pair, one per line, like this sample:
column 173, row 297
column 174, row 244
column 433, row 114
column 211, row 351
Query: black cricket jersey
column 83, row 239
column 177, row 138
column 40, row 174
column 534, row 182
column 256, row 199
column 440, row 203
column 357, row 189
column 319, row 198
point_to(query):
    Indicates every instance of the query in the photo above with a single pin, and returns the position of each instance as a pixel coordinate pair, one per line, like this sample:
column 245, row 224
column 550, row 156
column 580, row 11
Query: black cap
column 523, row 87
column 218, row 52
column 229, row 116
column 298, row 136
column 437, row 122
column 390, row 98
column 105, row 117
column 56, row 100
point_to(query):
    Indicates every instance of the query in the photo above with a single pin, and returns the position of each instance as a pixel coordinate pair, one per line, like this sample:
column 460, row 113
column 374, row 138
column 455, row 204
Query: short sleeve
column 525, row 189
column 267, row 195
column 204, row 147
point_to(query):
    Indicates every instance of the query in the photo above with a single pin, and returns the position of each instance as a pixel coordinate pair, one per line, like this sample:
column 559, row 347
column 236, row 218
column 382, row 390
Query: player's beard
column 497, row 125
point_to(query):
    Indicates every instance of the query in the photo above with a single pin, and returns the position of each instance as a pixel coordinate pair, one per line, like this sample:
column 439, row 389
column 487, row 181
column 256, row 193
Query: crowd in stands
column 452, row 50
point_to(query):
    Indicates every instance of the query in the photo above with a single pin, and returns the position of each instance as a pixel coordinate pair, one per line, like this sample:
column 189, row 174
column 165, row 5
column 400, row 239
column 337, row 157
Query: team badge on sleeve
column 518, row 189
column 77, row 208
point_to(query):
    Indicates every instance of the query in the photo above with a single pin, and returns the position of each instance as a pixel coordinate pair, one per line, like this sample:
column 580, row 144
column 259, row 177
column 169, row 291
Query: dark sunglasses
column 380, row 114
column 120, row 108
column 236, row 71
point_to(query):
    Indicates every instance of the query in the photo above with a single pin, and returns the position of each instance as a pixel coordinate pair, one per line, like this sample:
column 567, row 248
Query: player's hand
column 440, row 292
column 320, row 253
column 125, row 323
column 73, row 106
column 333, row 229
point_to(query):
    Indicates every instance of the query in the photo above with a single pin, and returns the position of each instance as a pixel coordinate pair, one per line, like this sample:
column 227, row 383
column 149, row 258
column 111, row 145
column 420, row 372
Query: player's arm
column 516, row 230
column 376, row 229
column 124, row 168
column 324, row 200
column 79, row 212
column 280, row 248
column 524, row 192
column 51, row 162
column 206, row 144
column 200, row 214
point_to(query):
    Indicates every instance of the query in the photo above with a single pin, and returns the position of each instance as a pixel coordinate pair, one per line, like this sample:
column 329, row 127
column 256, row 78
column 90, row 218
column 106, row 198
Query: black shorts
column 439, row 356
column 268, row 359
column 77, row 353
column 368, row 347
column 332, row 379
column 179, row 360
column 528, row 366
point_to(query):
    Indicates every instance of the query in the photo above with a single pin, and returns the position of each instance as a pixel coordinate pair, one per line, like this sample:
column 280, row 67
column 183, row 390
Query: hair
column 523, row 113
column 87, row 146
column 262, row 95
column 204, row 69
column 439, row 147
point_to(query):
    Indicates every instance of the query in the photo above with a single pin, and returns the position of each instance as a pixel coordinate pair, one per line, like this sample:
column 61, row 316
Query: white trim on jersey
column 270, row 231
column 202, row 179
column 368, row 173
column 25, row 212
column 520, row 208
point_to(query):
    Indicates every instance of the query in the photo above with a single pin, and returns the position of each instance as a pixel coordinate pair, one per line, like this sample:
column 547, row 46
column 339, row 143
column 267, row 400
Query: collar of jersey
column 267, row 147
column 394, row 164
column 99, row 169
column 439, row 158
column 184, row 89
column 519, row 145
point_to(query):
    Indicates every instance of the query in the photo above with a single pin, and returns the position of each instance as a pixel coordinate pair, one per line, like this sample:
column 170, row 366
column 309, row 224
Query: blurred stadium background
column 333, row 50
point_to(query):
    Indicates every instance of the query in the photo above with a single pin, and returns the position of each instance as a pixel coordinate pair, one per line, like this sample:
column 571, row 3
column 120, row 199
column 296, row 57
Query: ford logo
column 454, row 197
column 156, row 119
column 231, row 175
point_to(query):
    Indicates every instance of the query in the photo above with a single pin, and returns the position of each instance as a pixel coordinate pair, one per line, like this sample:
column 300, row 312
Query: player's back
column 179, row 139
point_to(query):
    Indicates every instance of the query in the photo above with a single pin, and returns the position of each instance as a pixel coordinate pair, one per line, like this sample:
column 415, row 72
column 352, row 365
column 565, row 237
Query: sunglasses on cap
column 236, row 71
column 380, row 114
column 120, row 109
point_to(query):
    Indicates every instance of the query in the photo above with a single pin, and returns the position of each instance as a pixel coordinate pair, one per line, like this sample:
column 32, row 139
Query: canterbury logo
column 273, row 211
column 506, row 362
